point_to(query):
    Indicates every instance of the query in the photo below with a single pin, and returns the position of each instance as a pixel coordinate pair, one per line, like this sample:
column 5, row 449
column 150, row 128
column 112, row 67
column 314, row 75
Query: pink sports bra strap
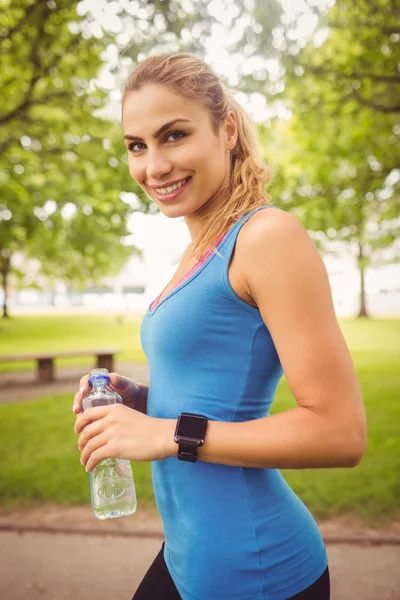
column 189, row 274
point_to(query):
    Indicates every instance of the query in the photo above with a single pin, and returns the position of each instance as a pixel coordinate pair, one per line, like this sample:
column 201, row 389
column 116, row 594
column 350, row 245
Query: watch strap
column 188, row 450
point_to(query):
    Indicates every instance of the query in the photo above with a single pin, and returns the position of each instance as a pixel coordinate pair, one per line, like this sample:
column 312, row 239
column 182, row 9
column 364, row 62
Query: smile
column 172, row 192
column 168, row 190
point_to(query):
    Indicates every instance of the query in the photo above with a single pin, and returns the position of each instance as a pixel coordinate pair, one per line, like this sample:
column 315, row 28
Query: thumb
column 119, row 383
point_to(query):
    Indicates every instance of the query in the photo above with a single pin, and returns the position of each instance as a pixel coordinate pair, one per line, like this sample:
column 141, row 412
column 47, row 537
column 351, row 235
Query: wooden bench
column 45, row 360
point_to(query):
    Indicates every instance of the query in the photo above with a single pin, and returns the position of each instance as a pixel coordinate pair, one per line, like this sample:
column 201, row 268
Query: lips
column 174, row 194
column 169, row 184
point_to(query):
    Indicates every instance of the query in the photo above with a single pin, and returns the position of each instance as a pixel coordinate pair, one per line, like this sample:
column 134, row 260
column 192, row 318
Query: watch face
column 192, row 427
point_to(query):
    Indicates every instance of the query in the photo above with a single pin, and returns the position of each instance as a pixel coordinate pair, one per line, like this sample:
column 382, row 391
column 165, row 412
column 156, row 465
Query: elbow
column 358, row 449
column 354, row 459
column 357, row 457
column 354, row 438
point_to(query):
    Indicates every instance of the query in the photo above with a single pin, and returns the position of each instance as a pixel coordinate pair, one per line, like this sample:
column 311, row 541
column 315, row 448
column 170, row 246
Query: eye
column 181, row 133
column 131, row 147
column 174, row 133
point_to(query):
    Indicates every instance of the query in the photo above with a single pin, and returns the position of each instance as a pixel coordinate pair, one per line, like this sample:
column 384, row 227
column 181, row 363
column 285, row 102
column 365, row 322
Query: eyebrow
column 158, row 132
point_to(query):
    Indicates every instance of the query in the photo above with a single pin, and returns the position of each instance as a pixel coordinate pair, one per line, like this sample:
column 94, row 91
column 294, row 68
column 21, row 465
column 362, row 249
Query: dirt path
column 65, row 553
column 40, row 566
column 147, row 522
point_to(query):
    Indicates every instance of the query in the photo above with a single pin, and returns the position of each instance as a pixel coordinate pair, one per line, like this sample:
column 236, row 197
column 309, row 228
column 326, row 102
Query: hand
column 125, row 387
column 115, row 431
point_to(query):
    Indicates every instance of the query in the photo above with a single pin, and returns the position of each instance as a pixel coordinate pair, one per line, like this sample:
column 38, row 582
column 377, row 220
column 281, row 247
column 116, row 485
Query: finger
column 83, row 390
column 89, row 432
column 91, row 414
column 77, row 405
column 101, row 453
column 84, row 381
column 93, row 447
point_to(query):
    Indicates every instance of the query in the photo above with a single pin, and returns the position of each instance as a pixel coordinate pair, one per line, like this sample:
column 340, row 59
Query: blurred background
column 320, row 78
column 83, row 251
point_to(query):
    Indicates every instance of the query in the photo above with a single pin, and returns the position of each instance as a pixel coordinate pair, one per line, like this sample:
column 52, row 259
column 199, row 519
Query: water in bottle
column 112, row 489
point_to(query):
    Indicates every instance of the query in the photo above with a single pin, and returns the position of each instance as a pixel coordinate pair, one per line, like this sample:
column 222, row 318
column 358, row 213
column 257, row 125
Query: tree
column 68, row 164
column 62, row 167
column 143, row 28
column 341, row 160
column 54, row 154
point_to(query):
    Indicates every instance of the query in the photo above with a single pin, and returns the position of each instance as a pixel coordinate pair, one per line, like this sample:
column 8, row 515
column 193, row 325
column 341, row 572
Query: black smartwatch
column 189, row 434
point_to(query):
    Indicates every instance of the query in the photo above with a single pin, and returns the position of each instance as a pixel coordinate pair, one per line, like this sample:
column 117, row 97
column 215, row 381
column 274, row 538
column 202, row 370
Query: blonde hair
column 193, row 79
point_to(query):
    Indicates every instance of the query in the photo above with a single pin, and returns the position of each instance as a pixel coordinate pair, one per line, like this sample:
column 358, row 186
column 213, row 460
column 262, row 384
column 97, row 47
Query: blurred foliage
column 163, row 26
column 339, row 154
column 62, row 166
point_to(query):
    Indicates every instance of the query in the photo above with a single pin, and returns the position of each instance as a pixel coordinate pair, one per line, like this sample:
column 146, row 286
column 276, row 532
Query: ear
column 230, row 131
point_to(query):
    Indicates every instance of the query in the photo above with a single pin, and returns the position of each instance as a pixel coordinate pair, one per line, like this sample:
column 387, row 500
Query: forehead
column 154, row 105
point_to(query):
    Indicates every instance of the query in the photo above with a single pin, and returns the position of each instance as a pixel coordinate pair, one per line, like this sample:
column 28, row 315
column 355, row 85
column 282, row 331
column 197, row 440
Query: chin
column 176, row 210
column 173, row 212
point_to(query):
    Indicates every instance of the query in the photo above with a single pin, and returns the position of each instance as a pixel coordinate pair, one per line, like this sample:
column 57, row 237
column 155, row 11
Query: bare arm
column 288, row 281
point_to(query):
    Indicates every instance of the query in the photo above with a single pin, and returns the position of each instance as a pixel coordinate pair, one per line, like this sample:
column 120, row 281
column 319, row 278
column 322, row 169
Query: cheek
column 187, row 157
column 195, row 158
column 133, row 168
column 212, row 166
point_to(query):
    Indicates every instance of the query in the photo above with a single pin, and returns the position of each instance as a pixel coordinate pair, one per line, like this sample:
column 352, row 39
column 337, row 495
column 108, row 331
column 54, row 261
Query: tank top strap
column 229, row 242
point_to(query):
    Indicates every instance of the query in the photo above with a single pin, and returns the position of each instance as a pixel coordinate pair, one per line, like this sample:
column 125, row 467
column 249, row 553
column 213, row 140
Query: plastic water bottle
column 112, row 489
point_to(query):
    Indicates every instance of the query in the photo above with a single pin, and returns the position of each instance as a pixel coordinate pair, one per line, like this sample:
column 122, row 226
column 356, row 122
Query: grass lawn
column 42, row 458
column 42, row 463
column 27, row 334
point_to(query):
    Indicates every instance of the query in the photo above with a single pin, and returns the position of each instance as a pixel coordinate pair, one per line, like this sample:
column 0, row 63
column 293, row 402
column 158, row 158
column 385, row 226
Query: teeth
column 172, row 188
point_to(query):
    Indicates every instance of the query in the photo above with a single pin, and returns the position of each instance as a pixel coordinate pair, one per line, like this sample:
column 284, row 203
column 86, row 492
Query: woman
column 250, row 300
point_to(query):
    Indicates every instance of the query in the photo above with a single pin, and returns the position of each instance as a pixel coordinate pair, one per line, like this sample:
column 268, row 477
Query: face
column 186, row 150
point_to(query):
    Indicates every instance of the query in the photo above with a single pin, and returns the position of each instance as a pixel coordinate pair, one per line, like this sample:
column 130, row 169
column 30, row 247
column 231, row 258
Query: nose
column 158, row 165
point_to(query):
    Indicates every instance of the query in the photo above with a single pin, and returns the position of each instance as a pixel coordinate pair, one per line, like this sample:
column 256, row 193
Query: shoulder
column 270, row 226
column 273, row 238
column 279, row 262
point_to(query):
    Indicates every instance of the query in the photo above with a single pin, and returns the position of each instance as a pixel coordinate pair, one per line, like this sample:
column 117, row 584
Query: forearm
column 295, row 439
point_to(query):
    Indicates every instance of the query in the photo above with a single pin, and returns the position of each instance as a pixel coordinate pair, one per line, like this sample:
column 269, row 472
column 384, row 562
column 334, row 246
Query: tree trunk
column 362, row 265
column 5, row 269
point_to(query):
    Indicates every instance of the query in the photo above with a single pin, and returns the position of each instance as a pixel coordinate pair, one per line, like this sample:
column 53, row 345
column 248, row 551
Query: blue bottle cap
column 99, row 374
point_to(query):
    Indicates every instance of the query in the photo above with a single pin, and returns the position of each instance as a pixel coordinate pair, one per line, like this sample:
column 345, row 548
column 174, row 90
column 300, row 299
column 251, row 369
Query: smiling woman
column 160, row 160
column 250, row 300
column 216, row 148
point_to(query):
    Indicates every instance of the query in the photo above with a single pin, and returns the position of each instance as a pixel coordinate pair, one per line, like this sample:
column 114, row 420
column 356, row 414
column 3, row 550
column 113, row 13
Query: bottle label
column 112, row 484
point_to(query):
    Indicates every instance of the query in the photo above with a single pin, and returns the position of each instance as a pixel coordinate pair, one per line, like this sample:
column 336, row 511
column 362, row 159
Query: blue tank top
column 231, row 533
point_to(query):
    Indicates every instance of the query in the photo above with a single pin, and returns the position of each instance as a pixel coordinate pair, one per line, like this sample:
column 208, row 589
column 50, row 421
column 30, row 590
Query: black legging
column 157, row 584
